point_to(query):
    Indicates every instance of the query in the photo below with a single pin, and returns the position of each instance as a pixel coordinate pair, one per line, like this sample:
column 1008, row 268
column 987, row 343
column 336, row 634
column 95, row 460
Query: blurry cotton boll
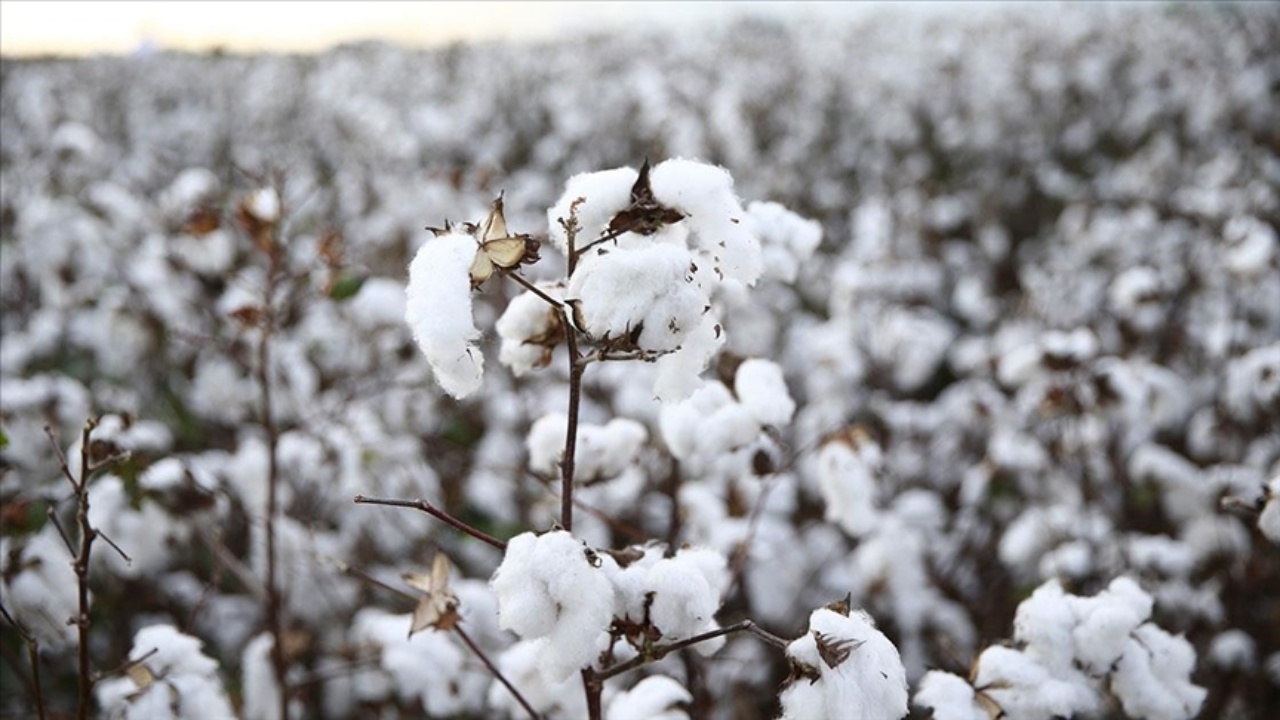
column 145, row 534
column 379, row 303
column 177, row 680
column 438, row 311
column 787, row 240
column 1251, row 245
column 40, row 587
column 1252, row 389
column 530, row 329
column 1269, row 519
column 656, row 697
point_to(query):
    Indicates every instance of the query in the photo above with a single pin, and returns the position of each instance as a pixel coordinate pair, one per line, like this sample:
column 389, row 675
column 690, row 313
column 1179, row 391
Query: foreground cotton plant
column 655, row 259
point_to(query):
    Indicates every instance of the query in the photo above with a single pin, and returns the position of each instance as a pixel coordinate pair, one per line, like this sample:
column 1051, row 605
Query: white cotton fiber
column 438, row 311
column 761, row 388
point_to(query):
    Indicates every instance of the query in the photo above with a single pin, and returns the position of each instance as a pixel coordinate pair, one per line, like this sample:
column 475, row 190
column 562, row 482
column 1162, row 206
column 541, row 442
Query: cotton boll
column 145, row 534
column 528, row 327
column 548, row 588
column 646, row 292
column 41, row 587
column 761, row 388
column 1252, row 389
column 1251, row 245
column 705, row 194
column 521, row 665
column 1023, row 688
column 380, row 302
column 260, row 693
column 184, row 682
column 868, row 683
column 686, row 595
column 1233, row 651
column 656, row 697
column 950, row 697
column 605, row 194
column 786, row 239
column 438, row 311
column 1152, row 679
column 679, row 373
column 1105, row 621
column 847, row 479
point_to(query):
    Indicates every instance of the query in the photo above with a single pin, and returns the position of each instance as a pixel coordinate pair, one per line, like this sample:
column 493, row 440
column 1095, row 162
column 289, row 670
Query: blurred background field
column 1048, row 291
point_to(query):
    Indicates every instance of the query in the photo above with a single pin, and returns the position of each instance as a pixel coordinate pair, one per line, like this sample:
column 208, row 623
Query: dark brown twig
column 436, row 513
column 661, row 651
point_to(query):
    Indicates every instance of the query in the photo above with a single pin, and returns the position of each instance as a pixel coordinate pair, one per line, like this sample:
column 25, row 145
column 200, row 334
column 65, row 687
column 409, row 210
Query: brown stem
column 673, row 521
column 661, row 651
column 593, row 685
column 471, row 645
column 436, row 513
column 535, row 290
column 576, row 370
column 275, row 622
column 81, row 566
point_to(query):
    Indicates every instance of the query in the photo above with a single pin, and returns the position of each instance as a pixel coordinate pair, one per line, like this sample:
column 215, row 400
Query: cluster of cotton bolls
column 995, row 353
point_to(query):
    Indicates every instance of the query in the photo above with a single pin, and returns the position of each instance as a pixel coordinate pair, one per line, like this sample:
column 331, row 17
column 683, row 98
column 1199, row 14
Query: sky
column 29, row 27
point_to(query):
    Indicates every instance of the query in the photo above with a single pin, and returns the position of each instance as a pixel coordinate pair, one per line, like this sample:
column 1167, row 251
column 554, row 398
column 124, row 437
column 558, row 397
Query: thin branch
column 57, row 525
column 106, row 539
column 81, row 567
column 224, row 556
column 127, row 665
column 661, row 651
column 436, row 513
column 612, row 235
column 535, row 290
column 62, row 457
column 471, row 645
column 576, row 370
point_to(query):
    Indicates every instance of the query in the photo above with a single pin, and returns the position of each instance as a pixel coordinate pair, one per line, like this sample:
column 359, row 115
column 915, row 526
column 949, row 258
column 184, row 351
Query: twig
column 496, row 673
column 33, row 656
column 226, row 559
column 576, row 370
column 80, row 564
column 661, row 651
column 436, row 513
column 535, row 290
column 107, row 539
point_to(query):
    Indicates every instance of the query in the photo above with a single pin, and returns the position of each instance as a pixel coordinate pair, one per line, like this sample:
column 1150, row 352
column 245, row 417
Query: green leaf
column 346, row 287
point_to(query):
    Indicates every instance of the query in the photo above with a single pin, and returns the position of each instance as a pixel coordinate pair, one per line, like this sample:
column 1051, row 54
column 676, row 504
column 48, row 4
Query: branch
column 661, row 651
column 576, row 369
column 535, row 290
column 496, row 673
column 436, row 513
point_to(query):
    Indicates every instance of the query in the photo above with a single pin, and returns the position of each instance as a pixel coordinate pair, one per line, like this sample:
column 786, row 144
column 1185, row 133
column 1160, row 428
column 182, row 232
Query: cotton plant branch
column 456, row 628
column 436, row 513
column 92, row 459
column 660, row 651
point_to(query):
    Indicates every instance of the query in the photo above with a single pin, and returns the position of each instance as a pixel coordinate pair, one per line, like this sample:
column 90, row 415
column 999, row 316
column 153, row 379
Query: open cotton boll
column 718, row 223
column 680, row 373
column 646, row 290
column 526, row 327
column 1153, row 678
column 438, row 310
column 1105, row 621
column 184, row 682
column 548, row 588
column 260, row 693
column 1023, row 688
column 786, row 239
column 656, row 697
column 603, row 451
column 42, row 593
column 604, row 194
column 869, row 683
column 847, row 480
column 520, row 664
column 949, row 696
column 686, row 595
column 761, row 388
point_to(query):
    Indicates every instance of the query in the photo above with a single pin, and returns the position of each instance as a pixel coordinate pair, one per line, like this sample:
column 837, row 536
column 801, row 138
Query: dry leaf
column 438, row 606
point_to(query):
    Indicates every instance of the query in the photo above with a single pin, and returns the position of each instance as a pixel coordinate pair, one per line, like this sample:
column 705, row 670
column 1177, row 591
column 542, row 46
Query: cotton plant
column 1071, row 653
column 167, row 677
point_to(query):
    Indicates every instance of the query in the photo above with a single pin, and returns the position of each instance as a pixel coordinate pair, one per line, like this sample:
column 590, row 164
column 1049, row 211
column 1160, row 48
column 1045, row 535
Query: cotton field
column 916, row 365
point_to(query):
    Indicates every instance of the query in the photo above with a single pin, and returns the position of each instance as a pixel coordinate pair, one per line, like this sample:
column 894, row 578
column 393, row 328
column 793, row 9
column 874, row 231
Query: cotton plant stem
column 275, row 621
column 436, row 513
column 661, row 651
column 81, row 565
column 593, row 685
column 535, row 290
column 576, row 369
